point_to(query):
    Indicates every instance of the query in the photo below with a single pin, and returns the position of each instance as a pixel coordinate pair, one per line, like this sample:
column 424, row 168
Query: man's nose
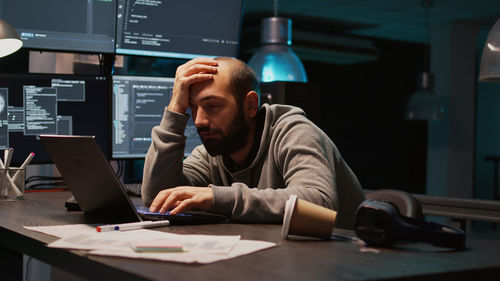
column 200, row 118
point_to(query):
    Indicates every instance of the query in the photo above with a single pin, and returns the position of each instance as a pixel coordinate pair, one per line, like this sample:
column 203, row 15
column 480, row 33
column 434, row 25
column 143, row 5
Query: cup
column 304, row 218
column 12, row 183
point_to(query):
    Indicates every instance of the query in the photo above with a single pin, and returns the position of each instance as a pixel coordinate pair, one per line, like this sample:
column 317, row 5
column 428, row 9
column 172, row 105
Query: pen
column 23, row 166
column 105, row 228
column 110, row 227
column 7, row 157
column 144, row 224
column 10, row 180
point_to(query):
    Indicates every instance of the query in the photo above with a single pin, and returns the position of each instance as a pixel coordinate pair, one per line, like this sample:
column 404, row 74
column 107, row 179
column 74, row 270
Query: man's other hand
column 193, row 71
column 183, row 198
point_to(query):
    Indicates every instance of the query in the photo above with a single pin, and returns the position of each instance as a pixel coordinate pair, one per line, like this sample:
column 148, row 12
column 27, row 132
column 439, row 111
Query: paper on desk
column 202, row 248
column 63, row 231
column 103, row 240
column 117, row 240
column 243, row 247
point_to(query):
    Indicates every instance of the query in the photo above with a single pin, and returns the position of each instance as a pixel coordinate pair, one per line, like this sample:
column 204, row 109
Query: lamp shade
column 9, row 39
column 490, row 60
column 423, row 103
column 275, row 60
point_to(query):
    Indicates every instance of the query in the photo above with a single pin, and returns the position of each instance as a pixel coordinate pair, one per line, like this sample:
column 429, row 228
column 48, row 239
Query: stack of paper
column 195, row 248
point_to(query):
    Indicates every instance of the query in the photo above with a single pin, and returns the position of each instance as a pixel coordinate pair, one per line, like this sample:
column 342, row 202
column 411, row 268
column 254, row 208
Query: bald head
column 241, row 78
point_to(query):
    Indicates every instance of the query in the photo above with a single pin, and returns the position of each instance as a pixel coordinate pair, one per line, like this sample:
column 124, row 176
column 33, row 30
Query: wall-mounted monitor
column 138, row 104
column 178, row 29
column 34, row 104
column 63, row 25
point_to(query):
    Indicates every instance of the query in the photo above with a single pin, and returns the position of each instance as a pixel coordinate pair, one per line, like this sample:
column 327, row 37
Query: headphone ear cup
column 374, row 221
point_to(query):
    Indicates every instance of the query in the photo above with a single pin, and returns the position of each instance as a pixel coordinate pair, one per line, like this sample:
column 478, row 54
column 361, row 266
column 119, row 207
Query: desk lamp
column 9, row 39
column 490, row 60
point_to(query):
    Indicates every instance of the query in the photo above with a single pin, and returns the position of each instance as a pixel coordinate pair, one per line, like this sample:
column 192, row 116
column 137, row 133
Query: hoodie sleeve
column 307, row 162
column 163, row 166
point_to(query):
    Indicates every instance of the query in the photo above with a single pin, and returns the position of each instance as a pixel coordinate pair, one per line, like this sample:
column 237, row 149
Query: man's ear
column 251, row 103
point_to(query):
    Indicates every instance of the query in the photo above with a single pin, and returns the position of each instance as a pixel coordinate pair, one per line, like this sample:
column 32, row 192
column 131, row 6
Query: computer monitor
column 138, row 104
column 178, row 29
column 34, row 104
column 69, row 25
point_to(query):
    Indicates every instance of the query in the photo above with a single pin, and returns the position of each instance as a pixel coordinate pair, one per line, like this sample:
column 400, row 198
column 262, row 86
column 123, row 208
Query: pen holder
column 12, row 182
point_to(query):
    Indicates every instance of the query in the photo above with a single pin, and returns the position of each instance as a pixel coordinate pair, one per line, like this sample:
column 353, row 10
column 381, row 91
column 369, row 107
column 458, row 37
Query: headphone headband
column 379, row 223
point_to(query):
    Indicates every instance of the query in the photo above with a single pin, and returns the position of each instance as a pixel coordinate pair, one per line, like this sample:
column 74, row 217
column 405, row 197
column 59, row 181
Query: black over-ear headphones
column 379, row 223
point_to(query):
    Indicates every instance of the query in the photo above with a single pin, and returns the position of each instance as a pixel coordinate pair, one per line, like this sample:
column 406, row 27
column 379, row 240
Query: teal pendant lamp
column 275, row 60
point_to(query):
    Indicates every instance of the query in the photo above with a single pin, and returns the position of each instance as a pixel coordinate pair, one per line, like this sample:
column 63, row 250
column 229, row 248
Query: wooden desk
column 290, row 260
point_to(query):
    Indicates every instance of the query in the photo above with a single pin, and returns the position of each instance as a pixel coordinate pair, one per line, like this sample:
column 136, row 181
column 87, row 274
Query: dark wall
column 361, row 107
column 362, row 110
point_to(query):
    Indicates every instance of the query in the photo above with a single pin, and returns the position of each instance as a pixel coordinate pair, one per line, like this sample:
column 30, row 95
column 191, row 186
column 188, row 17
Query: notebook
column 96, row 187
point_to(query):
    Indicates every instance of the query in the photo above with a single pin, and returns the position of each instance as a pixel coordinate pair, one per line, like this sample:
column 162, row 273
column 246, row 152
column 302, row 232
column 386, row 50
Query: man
column 252, row 159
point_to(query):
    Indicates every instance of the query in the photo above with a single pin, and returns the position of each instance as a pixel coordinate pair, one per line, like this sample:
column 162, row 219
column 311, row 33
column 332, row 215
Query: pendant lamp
column 490, row 60
column 424, row 103
column 9, row 39
column 275, row 60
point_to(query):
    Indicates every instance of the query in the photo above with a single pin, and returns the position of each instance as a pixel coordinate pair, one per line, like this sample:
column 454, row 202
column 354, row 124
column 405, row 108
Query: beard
column 233, row 140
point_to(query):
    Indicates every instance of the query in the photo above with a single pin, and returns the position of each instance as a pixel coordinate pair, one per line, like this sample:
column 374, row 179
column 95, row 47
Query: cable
column 28, row 260
column 113, row 60
column 50, row 183
column 120, row 169
column 47, row 185
column 101, row 64
column 38, row 178
column 44, row 182
column 427, row 4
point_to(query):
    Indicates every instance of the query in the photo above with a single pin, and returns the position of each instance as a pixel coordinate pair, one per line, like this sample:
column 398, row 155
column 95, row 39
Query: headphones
column 379, row 223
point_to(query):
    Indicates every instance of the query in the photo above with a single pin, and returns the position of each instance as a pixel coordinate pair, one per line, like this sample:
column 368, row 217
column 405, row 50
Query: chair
column 407, row 204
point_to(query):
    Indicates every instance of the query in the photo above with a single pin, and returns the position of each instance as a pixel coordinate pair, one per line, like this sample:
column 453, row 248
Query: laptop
column 98, row 190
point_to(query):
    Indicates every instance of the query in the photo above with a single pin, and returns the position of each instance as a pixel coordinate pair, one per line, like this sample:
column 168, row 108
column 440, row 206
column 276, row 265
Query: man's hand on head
column 183, row 198
column 193, row 71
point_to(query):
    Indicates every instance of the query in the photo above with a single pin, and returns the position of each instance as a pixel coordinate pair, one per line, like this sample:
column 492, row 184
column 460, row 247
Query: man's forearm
column 251, row 205
column 163, row 163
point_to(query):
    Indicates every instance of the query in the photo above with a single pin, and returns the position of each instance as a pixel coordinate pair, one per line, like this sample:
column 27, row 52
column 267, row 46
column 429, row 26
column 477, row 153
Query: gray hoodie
column 294, row 157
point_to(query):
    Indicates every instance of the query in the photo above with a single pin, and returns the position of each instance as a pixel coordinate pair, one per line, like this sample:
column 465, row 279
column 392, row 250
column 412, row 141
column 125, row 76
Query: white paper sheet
column 243, row 247
column 63, row 231
column 198, row 248
column 118, row 240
